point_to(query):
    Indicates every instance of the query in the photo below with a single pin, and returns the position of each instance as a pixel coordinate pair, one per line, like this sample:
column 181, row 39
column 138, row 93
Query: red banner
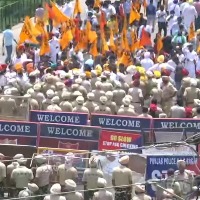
column 112, row 140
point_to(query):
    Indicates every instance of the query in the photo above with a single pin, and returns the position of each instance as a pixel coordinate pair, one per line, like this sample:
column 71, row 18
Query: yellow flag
column 66, row 38
column 92, row 35
column 191, row 34
column 77, row 7
column 97, row 3
column 104, row 46
column 93, row 49
column 83, row 42
column 40, row 25
column 59, row 17
column 28, row 32
column 159, row 44
column 198, row 49
column 134, row 15
column 45, row 48
column 126, row 59
column 112, row 42
column 135, row 41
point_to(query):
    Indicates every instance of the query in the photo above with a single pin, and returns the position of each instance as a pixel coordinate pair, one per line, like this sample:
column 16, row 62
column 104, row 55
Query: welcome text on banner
column 120, row 122
column 59, row 117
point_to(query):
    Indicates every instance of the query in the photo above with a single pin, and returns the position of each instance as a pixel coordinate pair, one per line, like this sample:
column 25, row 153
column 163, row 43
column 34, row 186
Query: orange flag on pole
column 97, row 3
column 45, row 48
column 112, row 42
column 93, row 49
column 159, row 44
column 66, row 38
column 191, row 34
column 134, row 15
column 77, row 7
column 58, row 16
column 28, row 32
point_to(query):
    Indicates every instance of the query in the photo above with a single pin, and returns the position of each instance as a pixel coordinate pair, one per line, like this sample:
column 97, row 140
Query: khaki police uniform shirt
column 97, row 95
column 93, row 82
column 177, row 112
column 102, row 109
column 43, row 174
column 66, row 106
column 7, row 106
column 128, row 111
column 2, row 171
column 81, row 109
column 106, row 86
column 118, row 95
column 103, row 195
column 136, row 94
column 90, row 105
column 90, row 176
column 191, row 93
column 54, row 108
column 168, row 91
column 122, row 175
column 185, row 180
column 74, row 196
column 22, row 176
column 64, row 174
column 112, row 105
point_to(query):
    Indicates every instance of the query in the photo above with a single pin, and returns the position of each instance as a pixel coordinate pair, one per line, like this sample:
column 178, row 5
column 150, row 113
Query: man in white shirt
column 67, row 9
column 146, row 62
column 175, row 8
column 161, row 17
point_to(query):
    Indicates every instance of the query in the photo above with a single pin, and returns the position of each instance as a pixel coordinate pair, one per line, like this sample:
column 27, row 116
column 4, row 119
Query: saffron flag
column 66, row 38
column 159, row 44
column 191, row 34
column 97, row 3
column 77, row 7
column 134, row 15
column 45, row 48
column 112, row 42
column 28, row 32
column 40, row 25
column 93, row 49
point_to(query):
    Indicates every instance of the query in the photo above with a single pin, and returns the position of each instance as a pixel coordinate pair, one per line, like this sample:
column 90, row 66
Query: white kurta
column 54, row 48
column 189, row 14
column 190, row 57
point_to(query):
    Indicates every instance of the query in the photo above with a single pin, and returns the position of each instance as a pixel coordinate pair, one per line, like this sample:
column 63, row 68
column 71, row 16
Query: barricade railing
column 15, row 108
column 14, row 11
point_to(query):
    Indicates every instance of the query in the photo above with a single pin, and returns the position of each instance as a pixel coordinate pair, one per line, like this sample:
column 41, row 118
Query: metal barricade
column 14, row 108
column 13, row 12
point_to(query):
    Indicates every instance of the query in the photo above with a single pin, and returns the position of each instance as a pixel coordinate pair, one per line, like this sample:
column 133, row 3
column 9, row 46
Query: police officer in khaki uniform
column 98, row 92
column 31, row 190
column 55, row 192
column 169, row 91
column 103, row 108
column 49, row 83
column 184, row 177
column 47, row 102
column 118, row 94
column 196, row 106
column 122, row 175
column 106, row 86
column 191, row 93
column 66, row 170
column 8, row 106
column 90, row 104
column 59, row 89
column 94, row 79
column 21, row 176
column 9, row 170
column 79, row 107
column 126, row 109
column 102, row 193
column 43, row 174
column 137, row 96
column 65, row 105
column 112, row 105
column 156, row 93
column 140, row 193
column 55, row 101
column 70, row 186
column 81, row 88
column 85, row 83
column 39, row 96
column 90, row 177
column 74, row 96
